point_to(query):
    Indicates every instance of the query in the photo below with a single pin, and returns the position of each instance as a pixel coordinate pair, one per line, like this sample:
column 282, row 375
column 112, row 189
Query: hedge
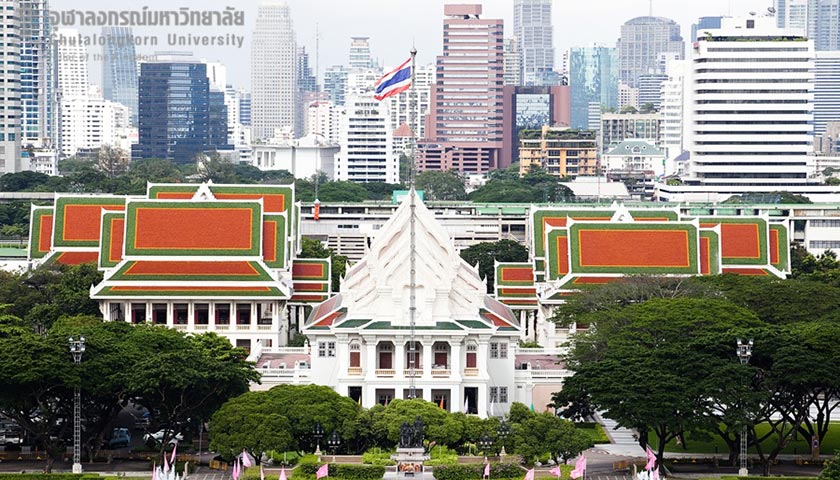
column 49, row 476
column 307, row 470
column 474, row 472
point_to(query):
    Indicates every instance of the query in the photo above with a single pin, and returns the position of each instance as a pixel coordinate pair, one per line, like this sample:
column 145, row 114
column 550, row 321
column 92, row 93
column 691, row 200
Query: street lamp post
column 334, row 442
column 503, row 432
column 77, row 348
column 318, row 432
column 744, row 352
column 485, row 442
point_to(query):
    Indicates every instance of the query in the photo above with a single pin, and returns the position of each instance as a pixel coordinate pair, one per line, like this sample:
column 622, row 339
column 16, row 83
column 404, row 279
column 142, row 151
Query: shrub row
column 307, row 470
column 474, row 472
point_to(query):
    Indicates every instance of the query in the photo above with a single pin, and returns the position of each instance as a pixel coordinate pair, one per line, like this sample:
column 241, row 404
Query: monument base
column 410, row 461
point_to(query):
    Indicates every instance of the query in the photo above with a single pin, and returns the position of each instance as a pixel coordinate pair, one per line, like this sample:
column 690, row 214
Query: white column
column 211, row 317
column 456, row 402
column 426, row 361
column 482, row 401
column 399, row 356
column 170, row 316
column 370, row 364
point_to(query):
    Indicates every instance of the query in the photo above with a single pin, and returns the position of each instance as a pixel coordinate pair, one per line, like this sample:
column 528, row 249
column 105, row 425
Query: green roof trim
column 387, row 326
column 474, row 324
column 353, row 323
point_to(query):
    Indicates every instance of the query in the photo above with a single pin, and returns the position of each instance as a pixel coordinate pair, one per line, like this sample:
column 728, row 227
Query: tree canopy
column 487, row 253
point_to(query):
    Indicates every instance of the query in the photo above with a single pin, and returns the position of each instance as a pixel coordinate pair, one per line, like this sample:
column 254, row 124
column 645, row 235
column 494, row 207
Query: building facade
column 72, row 64
column 37, row 75
column 534, row 33
column 531, row 108
column 824, row 24
column 464, row 127
column 273, row 70
column 410, row 107
column 513, row 62
column 179, row 133
column 360, row 57
column 10, row 137
column 593, row 78
column 119, row 68
column 650, row 89
column 89, row 123
column 826, row 90
column 303, row 157
column 749, row 105
column 366, row 143
column 559, row 151
column 618, row 127
column 642, row 40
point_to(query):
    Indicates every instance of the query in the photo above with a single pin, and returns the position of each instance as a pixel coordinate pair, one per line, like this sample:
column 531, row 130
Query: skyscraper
column 335, row 83
column 749, row 108
column 360, row 57
column 72, row 64
column 792, row 13
column 464, row 128
column 642, row 40
column 593, row 78
column 513, row 62
column 119, row 68
column 703, row 24
column 37, row 91
column 10, row 96
column 273, row 70
column 533, row 31
column 307, row 84
column 826, row 90
column 824, row 24
column 366, row 140
column 179, row 116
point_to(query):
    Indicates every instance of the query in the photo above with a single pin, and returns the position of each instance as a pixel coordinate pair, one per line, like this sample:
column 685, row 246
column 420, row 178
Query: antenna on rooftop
column 317, row 51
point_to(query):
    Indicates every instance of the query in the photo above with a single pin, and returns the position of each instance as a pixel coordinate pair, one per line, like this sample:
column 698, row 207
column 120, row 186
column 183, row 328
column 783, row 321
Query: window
column 498, row 350
column 503, row 395
column 355, row 356
column 471, row 355
column 326, row 349
column 503, row 347
column 331, row 349
column 494, row 394
column 494, row 350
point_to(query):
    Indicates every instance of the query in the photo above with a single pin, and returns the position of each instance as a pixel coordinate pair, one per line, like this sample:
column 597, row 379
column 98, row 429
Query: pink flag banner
column 154, row 471
column 486, row 470
column 165, row 466
column 529, row 475
column 246, row 461
column 651, row 459
column 580, row 468
column 555, row 471
column 322, row 472
column 262, row 474
column 174, row 454
column 282, row 474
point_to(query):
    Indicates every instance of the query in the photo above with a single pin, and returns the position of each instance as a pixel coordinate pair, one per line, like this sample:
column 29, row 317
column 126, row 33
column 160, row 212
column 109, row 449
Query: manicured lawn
column 595, row 432
column 713, row 444
column 544, row 474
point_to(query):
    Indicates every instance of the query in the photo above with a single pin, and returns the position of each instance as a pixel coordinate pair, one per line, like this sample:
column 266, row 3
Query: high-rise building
column 179, row 117
column 559, row 151
column 10, row 161
column 642, row 40
column 37, row 89
column 749, row 107
column 826, row 90
column 273, row 72
column 628, row 97
column 593, row 78
column 245, row 108
column 532, row 108
column 513, row 62
column 792, row 13
column 400, row 106
column 464, row 128
column 366, row 143
column 534, row 32
column 307, row 84
column 619, row 127
column 650, row 89
column 88, row 123
column 335, row 83
column 672, row 113
column 119, row 68
column 72, row 64
column 360, row 56
column 217, row 76
column 824, row 24
column 322, row 120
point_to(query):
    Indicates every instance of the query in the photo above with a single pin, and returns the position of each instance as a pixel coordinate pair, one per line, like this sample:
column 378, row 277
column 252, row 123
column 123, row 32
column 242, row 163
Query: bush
column 378, row 457
column 498, row 471
column 307, row 470
column 292, row 458
column 442, row 455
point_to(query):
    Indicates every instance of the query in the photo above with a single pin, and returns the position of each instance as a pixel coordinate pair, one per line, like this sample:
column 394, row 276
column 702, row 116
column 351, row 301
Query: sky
column 392, row 25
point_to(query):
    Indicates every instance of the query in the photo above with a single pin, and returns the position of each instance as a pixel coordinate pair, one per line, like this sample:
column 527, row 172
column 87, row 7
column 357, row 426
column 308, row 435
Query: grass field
column 714, row 444
column 595, row 432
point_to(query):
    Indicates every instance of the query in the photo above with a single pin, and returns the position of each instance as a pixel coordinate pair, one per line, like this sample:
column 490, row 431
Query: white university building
column 366, row 142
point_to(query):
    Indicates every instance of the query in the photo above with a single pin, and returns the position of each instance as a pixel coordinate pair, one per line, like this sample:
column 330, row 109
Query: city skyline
column 391, row 38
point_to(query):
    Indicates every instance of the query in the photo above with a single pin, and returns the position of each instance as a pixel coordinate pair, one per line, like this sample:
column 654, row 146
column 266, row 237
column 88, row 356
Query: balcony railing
column 200, row 328
column 470, row 372
column 180, row 327
column 441, row 372
column 357, row 371
column 265, row 328
column 385, row 372
column 243, row 327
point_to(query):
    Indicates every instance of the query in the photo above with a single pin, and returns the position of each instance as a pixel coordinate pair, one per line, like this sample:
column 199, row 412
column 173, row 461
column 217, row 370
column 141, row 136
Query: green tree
column 506, row 191
column 14, row 231
column 440, row 426
column 487, row 253
column 214, row 168
column 155, row 170
column 546, row 433
column 181, row 378
column 342, row 192
column 831, row 471
column 112, row 161
column 441, row 186
column 249, row 421
column 22, row 181
column 626, row 365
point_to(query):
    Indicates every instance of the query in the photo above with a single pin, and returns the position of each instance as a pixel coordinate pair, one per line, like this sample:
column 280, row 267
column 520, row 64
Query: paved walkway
column 623, row 442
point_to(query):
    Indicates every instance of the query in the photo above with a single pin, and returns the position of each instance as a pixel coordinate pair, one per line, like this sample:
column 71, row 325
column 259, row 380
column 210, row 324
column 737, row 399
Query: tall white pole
column 412, row 309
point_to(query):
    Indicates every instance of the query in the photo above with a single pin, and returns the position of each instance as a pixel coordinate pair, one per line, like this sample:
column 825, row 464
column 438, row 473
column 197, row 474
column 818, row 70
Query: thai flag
column 394, row 82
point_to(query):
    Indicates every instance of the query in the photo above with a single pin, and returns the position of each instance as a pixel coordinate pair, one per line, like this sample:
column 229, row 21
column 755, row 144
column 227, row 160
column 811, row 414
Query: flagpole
column 412, row 309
